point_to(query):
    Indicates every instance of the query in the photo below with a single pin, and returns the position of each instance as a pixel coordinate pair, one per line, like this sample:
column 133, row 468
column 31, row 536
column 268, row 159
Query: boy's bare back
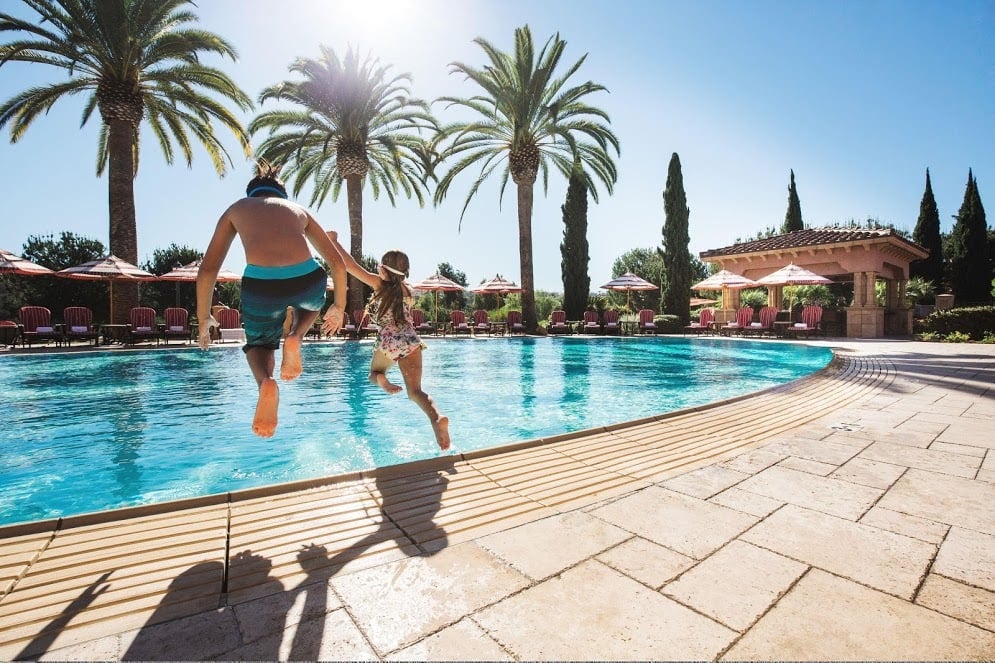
column 272, row 230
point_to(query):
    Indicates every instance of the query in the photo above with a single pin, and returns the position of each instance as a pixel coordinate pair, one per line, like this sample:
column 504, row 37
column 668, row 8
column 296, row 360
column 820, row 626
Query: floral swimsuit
column 396, row 340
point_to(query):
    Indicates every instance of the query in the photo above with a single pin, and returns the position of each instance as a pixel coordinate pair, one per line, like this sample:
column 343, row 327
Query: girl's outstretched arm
column 353, row 267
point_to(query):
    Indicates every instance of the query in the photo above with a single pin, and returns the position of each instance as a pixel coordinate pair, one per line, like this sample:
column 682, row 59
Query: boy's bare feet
column 291, row 367
column 264, row 423
column 441, row 429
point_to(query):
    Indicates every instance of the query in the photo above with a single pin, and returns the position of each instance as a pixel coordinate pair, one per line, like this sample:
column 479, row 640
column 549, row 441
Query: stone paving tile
column 330, row 637
column 463, row 641
column 874, row 432
column 970, row 433
column 753, row 461
column 902, row 523
column 644, row 561
column 832, row 496
column 424, row 594
column 107, row 648
column 869, row 473
column 271, row 614
column 945, row 499
column 737, row 584
column 823, row 451
column 673, row 520
column 706, row 481
column 620, row 619
column 968, row 556
column 548, row 546
column 923, row 459
column 970, row 604
column 827, row 618
column 884, row 560
column 916, row 424
column 202, row 636
column 806, row 465
column 747, row 502
column 978, row 452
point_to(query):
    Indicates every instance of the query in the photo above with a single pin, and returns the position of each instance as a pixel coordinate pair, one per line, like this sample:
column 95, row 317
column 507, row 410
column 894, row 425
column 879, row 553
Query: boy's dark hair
column 266, row 182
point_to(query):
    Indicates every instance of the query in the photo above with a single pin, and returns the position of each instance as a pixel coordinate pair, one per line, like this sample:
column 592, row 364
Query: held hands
column 204, row 332
column 333, row 321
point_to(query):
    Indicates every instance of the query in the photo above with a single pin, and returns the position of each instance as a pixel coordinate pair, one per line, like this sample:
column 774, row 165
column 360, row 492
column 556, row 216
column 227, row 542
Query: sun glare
column 375, row 23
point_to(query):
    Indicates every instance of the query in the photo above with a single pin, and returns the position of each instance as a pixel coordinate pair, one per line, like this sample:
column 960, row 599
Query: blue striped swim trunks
column 268, row 291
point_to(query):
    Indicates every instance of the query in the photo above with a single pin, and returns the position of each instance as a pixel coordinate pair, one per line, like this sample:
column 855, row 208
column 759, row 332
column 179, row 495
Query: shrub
column 957, row 337
column 668, row 324
column 974, row 322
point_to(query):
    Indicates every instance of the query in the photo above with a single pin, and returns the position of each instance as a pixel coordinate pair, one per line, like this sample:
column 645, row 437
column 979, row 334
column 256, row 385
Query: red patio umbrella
column 724, row 280
column 627, row 283
column 437, row 283
column 109, row 269
column 15, row 264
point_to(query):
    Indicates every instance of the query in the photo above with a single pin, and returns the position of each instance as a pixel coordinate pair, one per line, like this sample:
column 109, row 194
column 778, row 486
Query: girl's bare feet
column 387, row 385
column 441, row 429
column 264, row 423
column 291, row 367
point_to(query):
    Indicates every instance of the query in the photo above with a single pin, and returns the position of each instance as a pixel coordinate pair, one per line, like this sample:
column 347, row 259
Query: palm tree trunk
column 525, row 190
column 354, row 192
column 123, row 234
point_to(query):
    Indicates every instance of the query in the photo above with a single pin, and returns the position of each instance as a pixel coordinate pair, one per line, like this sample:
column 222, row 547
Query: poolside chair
column 704, row 323
column 78, row 324
column 141, row 325
column 177, row 325
column 10, row 331
column 558, row 322
column 646, row 324
column 810, row 323
column 348, row 327
column 230, row 325
column 457, row 323
column 766, row 325
column 37, row 325
column 364, row 324
column 515, row 324
column 743, row 318
column 481, row 322
column 591, row 323
column 422, row 326
column 612, row 325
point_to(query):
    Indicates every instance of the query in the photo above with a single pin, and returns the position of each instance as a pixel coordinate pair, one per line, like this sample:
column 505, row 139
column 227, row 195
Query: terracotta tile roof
column 806, row 237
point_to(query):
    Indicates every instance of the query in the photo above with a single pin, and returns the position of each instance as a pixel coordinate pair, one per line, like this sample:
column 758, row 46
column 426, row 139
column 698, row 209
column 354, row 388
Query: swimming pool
column 94, row 431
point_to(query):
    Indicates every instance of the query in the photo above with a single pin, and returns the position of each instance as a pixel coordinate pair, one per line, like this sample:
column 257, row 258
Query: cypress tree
column 793, row 217
column 927, row 235
column 970, row 273
column 574, row 253
column 676, row 257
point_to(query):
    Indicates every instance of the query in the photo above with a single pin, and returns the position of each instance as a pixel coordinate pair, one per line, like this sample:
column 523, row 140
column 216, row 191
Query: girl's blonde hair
column 390, row 296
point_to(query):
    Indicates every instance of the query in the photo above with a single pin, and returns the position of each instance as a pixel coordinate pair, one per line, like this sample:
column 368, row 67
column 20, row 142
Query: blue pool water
column 96, row 431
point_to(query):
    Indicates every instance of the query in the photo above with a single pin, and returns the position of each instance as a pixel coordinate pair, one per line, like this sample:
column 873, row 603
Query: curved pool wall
column 88, row 432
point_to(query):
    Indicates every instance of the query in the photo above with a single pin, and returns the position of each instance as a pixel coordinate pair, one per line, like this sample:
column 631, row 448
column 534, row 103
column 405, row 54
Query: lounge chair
column 704, row 324
column 348, row 327
column 612, row 325
column 177, row 325
column 364, row 325
column 10, row 331
column 558, row 322
column 230, row 325
column 457, row 322
column 743, row 318
column 515, row 324
column 37, row 325
column 78, row 325
column 422, row 326
column 810, row 323
column 141, row 325
column 766, row 325
column 646, row 324
column 481, row 322
column 591, row 323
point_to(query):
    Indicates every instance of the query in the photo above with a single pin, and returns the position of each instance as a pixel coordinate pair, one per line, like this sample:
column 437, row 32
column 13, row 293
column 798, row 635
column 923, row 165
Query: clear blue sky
column 859, row 98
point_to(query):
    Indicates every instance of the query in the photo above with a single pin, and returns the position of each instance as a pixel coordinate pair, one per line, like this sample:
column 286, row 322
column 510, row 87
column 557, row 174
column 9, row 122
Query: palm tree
column 351, row 122
column 137, row 61
column 527, row 120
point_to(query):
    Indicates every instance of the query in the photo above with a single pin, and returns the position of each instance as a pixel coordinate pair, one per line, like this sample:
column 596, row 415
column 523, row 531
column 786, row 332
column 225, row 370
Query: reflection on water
column 92, row 431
